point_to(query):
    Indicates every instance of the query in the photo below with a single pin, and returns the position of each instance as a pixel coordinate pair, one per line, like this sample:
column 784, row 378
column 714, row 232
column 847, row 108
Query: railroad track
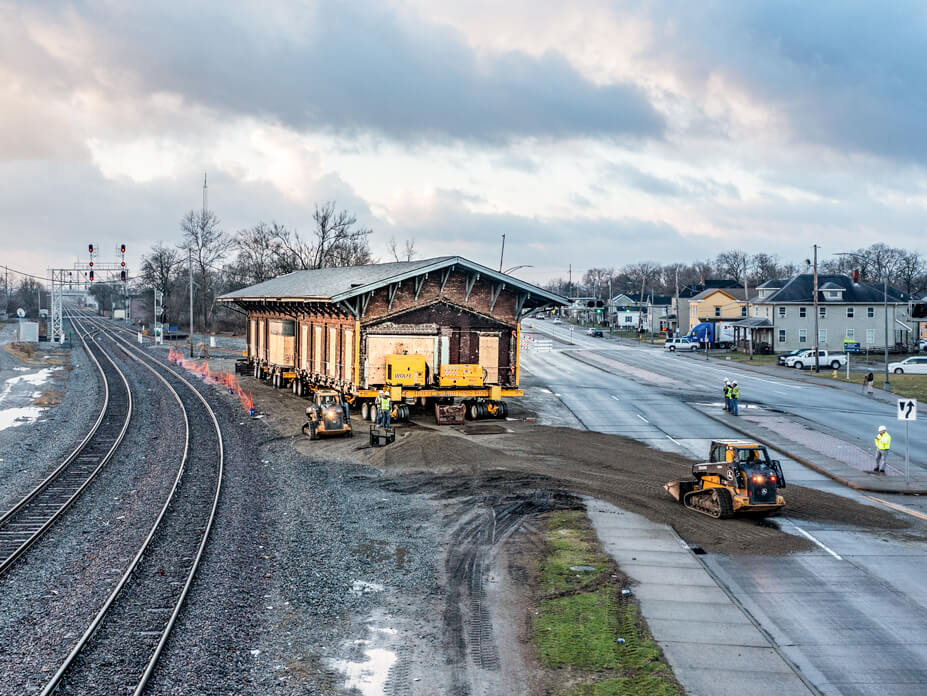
column 28, row 520
column 118, row 651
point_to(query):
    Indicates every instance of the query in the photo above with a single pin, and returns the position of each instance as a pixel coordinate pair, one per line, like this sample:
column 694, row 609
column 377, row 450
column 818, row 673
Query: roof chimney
column 856, row 275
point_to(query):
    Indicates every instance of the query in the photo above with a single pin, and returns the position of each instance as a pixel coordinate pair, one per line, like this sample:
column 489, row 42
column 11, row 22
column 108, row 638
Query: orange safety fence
column 226, row 378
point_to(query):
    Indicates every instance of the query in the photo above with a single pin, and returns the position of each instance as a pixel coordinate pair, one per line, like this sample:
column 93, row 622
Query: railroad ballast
column 430, row 331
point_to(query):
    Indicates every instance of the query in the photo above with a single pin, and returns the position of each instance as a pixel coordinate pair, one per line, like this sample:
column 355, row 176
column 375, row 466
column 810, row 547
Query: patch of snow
column 361, row 588
column 369, row 676
column 11, row 417
column 35, row 379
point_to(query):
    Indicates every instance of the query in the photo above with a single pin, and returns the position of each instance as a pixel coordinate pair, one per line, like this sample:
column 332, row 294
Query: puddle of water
column 11, row 417
column 368, row 677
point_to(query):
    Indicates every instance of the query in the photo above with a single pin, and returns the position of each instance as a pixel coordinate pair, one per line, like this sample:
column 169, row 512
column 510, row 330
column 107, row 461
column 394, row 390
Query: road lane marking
column 817, row 542
column 642, row 418
column 669, row 437
column 899, row 508
column 615, row 398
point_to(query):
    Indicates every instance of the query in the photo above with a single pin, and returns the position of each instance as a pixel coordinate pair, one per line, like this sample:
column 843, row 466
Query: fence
column 225, row 378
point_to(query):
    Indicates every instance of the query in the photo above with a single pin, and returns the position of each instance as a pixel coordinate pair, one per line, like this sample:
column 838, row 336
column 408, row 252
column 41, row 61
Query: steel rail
column 54, row 682
column 60, row 471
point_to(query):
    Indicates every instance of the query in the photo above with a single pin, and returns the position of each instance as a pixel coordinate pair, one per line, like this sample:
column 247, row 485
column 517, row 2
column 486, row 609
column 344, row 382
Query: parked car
column 541, row 317
column 825, row 359
column 594, row 332
column 681, row 344
column 791, row 354
column 913, row 366
column 922, row 345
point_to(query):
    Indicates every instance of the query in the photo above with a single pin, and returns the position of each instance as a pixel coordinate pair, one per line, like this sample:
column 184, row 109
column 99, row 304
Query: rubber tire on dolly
column 475, row 412
column 365, row 411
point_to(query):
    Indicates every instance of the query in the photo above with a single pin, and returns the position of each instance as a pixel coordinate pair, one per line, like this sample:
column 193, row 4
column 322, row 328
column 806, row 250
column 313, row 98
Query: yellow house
column 717, row 304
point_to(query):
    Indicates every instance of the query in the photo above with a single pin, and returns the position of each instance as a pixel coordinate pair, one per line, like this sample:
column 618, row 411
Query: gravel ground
column 314, row 569
column 52, row 593
column 30, row 451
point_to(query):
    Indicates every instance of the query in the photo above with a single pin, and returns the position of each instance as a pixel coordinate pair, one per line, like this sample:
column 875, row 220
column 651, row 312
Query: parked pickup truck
column 805, row 359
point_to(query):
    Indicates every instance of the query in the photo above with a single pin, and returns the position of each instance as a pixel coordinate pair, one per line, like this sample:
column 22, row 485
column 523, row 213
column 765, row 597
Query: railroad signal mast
column 78, row 280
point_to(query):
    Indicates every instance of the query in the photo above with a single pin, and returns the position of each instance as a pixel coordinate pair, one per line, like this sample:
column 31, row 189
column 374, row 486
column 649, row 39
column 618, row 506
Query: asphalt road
column 852, row 615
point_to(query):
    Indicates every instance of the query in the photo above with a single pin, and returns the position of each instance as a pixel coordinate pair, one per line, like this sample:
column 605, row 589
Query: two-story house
column 717, row 305
column 845, row 310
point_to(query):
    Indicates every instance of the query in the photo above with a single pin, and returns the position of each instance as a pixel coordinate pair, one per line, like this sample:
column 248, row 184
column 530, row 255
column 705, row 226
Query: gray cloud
column 354, row 67
column 850, row 76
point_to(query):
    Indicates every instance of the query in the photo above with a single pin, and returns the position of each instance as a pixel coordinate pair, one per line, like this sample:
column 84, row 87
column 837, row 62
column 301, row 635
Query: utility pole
column 502, row 254
column 190, row 265
column 570, row 280
column 817, row 361
column 676, row 331
column 747, row 302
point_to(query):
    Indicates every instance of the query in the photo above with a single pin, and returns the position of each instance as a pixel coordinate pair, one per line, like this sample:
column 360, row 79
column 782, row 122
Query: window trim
column 802, row 312
column 782, row 336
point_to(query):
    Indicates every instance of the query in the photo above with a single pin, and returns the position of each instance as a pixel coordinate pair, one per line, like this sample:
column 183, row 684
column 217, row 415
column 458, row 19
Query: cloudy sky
column 592, row 133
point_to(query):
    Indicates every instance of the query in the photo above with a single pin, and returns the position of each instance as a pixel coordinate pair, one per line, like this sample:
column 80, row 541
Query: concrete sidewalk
column 713, row 644
column 841, row 461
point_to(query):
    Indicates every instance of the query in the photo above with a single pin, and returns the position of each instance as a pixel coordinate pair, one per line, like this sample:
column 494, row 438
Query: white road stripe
column 817, row 542
column 642, row 418
column 668, row 437
column 615, row 398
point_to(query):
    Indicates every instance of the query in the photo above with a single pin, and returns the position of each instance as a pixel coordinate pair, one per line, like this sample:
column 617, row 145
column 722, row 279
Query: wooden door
column 489, row 357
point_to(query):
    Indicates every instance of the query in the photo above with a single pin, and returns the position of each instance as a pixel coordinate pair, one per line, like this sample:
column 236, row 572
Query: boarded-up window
column 317, row 349
column 304, row 361
column 489, row 357
column 260, row 339
column 282, row 343
column 332, row 352
column 252, row 338
column 348, row 355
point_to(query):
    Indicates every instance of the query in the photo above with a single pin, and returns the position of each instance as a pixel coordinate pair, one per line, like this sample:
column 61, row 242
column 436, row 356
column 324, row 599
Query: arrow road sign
column 907, row 409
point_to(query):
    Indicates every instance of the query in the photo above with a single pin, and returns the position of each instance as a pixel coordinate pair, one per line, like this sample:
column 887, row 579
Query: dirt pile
column 623, row 472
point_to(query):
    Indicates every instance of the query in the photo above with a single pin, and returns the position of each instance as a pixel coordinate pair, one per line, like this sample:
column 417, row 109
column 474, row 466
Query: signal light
column 91, row 264
column 122, row 276
column 123, row 264
column 90, row 247
column 91, row 275
column 122, row 248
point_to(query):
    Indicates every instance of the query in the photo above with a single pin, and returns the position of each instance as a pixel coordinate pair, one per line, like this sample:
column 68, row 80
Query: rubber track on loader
column 714, row 502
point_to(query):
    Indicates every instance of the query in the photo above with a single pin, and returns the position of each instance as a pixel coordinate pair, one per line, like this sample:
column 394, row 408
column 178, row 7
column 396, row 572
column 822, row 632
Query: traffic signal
column 919, row 311
column 91, row 264
column 122, row 276
column 91, row 275
column 90, row 247
column 122, row 248
column 123, row 264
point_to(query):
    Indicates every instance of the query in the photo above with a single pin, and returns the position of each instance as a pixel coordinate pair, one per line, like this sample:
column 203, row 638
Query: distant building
column 630, row 311
column 845, row 310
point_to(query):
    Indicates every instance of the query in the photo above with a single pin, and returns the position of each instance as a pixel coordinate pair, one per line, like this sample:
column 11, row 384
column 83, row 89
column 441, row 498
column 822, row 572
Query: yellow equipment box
column 405, row 370
column 461, row 376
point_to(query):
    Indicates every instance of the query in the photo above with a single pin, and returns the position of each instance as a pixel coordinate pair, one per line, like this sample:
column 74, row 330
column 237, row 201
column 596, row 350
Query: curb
column 815, row 467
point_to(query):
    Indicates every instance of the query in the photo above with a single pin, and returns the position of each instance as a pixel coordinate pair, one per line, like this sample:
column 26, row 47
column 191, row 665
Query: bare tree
column 160, row 270
column 763, row 267
column 732, row 264
column 336, row 242
column 909, row 271
column 260, row 253
column 408, row 253
column 208, row 245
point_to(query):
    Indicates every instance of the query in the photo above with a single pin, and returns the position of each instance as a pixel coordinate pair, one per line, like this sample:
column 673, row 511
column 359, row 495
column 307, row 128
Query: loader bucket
column 673, row 488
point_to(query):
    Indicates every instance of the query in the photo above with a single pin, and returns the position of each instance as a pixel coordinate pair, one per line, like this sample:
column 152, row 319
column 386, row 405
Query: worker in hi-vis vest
column 384, row 405
column 883, row 443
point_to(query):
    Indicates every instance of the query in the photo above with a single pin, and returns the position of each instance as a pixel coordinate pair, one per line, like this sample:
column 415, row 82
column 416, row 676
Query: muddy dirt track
column 519, row 457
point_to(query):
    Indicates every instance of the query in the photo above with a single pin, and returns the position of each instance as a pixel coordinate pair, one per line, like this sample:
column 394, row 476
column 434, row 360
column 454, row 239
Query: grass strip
column 585, row 627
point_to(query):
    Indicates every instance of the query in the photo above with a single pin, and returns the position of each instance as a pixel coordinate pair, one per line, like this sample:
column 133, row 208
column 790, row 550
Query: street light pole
column 885, row 310
column 817, row 361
